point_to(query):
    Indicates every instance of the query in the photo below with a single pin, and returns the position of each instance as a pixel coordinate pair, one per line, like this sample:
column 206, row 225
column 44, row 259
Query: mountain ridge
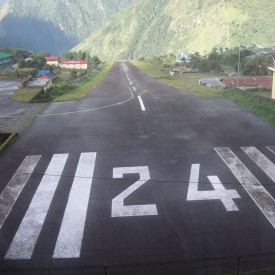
column 126, row 29
column 167, row 26
column 68, row 22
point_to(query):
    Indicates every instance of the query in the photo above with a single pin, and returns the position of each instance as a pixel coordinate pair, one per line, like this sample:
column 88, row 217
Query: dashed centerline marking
column 134, row 89
column 141, row 104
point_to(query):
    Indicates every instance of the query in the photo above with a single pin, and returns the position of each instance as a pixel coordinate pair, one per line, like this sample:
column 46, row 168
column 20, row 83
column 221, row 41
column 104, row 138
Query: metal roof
column 249, row 81
column 5, row 55
column 68, row 62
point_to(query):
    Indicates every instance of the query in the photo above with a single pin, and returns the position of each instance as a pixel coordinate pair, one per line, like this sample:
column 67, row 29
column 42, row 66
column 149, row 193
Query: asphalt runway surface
column 141, row 178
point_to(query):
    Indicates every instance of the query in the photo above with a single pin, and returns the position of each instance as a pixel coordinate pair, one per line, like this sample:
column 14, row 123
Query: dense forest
column 166, row 26
column 53, row 25
column 125, row 29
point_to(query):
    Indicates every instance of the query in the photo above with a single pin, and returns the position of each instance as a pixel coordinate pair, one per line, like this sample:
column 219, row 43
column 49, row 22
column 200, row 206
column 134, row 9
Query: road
column 138, row 172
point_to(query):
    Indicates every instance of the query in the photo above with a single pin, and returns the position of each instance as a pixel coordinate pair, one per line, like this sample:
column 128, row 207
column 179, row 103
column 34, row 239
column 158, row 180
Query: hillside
column 52, row 25
column 146, row 28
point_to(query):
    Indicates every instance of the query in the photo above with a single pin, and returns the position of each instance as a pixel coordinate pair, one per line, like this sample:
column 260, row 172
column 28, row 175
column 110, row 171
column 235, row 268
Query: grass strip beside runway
column 188, row 82
column 82, row 88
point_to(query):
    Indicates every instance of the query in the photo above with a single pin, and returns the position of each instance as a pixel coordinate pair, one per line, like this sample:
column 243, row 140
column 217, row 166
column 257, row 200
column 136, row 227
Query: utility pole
column 239, row 60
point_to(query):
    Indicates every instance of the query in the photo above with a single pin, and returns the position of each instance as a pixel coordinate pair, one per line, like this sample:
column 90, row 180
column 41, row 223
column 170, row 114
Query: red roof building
column 250, row 81
column 52, row 60
column 74, row 64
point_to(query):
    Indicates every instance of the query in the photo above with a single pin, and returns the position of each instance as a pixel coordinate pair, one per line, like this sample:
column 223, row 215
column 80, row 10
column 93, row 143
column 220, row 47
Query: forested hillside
column 53, row 25
column 146, row 28
column 133, row 28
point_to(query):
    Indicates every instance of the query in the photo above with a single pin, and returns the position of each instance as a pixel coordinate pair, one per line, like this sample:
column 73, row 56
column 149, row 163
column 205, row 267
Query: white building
column 52, row 60
column 74, row 64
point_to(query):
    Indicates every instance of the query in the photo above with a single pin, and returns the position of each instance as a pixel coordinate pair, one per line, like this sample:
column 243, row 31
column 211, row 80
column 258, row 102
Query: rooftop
column 38, row 82
column 5, row 55
column 51, row 58
column 74, row 62
column 249, row 81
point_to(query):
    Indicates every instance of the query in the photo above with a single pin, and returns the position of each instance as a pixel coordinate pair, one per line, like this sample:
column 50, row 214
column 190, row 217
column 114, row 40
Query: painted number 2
column 193, row 194
column 118, row 207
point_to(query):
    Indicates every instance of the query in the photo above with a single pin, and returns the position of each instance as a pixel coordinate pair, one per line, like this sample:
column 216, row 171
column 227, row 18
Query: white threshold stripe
column 261, row 160
column 141, row 104
column 272, row 149
column 70, row 236
column 26, row 236
column 253, row 187
column 12, row 191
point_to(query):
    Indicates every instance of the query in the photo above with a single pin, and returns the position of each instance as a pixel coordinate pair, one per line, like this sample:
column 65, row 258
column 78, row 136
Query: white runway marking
column 262, row 161
column 134, row 89
column 253, row 187
column 219, row 192
column 141, row 104
column 12, row 191
column 118, row 207
column 272, row 149
column 69, row 240
column 76, row 112
column 131, row 83
column 26, row 237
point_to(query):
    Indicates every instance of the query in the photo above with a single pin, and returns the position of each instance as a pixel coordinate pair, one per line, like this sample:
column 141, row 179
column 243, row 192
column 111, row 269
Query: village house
column 273, row 82
column 74, row 64
column 5, row 61
column 52, row 60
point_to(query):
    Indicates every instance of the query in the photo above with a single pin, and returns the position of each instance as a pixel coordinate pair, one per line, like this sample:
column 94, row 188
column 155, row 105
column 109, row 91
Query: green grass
column 26, row 94
column 74, row 91
column 188, row 82
column 259, row 106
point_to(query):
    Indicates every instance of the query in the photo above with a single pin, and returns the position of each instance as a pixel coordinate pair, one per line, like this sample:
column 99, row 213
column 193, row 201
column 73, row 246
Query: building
column 248, row 82
column 52, row 60
column 273, row 85
column 44, row 73
column 44, row 83
column 74, row 64
column 5, row 61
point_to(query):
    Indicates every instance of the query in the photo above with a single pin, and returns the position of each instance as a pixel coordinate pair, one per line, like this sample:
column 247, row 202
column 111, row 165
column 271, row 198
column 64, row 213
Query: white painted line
column 76, row 112
column 272, row 149
column 70, row 236
column 131, row 83
column 118, row 207
column 253, row 187
column 262, row 161
column 134, row 89
column 141, row 104
column 219, row 192
column 26, row 236
column 12, row 191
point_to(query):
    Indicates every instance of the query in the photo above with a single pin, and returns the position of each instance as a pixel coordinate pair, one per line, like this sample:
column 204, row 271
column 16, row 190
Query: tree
column 257, row 66
column 73, row 74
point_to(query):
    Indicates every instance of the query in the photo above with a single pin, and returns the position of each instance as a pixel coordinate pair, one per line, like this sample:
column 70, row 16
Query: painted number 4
column 219, row 192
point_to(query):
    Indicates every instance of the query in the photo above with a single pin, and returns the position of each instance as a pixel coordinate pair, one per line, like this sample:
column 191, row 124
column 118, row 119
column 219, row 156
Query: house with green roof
column 5, row 61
